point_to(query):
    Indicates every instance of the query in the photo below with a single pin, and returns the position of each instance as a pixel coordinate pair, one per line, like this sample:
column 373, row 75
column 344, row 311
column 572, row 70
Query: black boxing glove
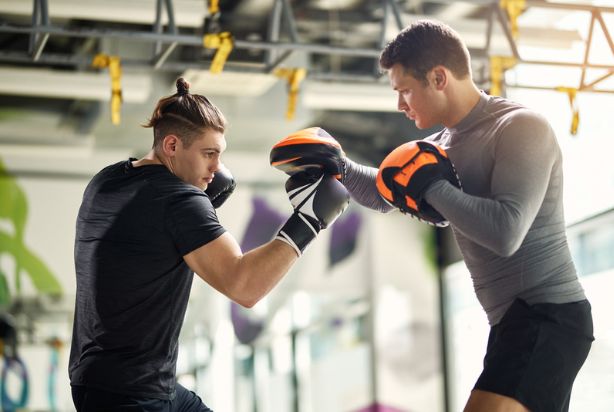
column 317, row 203
column 221, row 187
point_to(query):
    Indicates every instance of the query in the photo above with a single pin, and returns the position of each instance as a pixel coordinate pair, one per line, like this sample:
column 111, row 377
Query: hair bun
column 183, row 87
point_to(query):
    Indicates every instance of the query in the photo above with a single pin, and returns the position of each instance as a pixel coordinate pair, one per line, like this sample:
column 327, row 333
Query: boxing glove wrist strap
column 298, row 232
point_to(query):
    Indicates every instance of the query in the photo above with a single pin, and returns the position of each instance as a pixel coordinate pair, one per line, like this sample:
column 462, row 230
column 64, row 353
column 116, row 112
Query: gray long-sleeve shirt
column 508, row 219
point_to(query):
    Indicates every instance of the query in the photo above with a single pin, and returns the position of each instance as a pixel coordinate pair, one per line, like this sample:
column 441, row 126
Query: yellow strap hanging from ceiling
column 575, row 110
column 514, row 8
column 498, row 65
column 294, row 77
column 223, row 42
column 214, row 7
column 103, row 61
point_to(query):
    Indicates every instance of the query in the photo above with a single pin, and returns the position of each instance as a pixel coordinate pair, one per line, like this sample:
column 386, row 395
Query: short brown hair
column 424, row 45
column 185, row 115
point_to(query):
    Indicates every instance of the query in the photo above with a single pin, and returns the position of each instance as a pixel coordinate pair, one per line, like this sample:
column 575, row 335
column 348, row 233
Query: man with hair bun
column 145, row 226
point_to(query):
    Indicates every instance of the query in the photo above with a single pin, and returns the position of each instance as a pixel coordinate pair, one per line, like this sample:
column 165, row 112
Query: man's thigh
column 482, row 401
column 535, row 352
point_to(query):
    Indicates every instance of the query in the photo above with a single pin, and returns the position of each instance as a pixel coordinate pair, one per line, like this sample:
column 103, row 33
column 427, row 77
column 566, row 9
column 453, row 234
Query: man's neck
column 461, row 101
column 150, row 158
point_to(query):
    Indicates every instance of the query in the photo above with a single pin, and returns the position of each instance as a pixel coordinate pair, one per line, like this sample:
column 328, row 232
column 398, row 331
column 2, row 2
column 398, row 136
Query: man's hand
column 317, row 203
column 408, row 171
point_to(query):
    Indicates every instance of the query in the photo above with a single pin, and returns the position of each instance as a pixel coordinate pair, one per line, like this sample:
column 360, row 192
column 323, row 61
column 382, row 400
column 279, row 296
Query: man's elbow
column 247, row 302
column 243, row 293
column 507, row 246
column 511, row 232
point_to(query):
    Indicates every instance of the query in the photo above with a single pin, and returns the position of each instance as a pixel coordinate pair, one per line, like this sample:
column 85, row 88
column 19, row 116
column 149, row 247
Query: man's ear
column 439, row 77
column 169, row 144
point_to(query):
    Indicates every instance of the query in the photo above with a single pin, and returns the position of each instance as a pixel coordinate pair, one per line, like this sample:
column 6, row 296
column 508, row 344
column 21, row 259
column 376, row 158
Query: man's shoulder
column 113, row 168
column 106, row 175
column 523, row 125
column 501, row 106
column 513, row 108
column 507, row 113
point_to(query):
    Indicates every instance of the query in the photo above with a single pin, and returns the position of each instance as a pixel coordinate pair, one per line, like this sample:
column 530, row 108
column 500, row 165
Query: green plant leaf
column 13, row 201
column 5, row 293
column 42, row 278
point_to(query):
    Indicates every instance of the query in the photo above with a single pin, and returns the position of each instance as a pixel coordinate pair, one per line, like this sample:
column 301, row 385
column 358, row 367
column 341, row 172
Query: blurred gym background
column 379, row 314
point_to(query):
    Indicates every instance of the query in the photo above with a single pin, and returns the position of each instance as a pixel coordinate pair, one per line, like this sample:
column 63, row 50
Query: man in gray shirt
column 507, row 219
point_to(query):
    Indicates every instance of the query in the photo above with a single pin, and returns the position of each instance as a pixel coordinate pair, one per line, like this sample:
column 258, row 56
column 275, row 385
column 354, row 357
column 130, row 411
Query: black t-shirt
column 133, row 229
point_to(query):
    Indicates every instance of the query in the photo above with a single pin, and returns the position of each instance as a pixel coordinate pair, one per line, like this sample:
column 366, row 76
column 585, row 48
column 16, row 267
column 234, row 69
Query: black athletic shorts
column 535, row 352
column 94, row 400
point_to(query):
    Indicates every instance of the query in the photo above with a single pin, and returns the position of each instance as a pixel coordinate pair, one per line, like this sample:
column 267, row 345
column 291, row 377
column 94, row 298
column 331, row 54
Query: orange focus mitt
column 311, row 150
column 406, row 173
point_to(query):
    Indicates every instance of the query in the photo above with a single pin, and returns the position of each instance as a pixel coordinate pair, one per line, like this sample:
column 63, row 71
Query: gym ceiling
column 63, row 61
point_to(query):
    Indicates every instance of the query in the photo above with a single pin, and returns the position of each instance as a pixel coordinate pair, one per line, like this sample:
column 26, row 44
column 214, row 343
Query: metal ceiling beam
column 193, row 40
column 188, row 40
column 498, row 13
column 40, row 16
column 534, row 87
column 396, row 13
column 273, row 29
column 605, row 29
column 596, row 15
column 568, row 6
column 288, row 18
column 41, row 29
column 160, row 55
column 591, row 85
column 539, row 3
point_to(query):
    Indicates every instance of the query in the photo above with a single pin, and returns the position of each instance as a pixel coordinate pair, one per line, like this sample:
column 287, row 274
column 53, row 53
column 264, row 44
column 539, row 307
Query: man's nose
column 401, row 104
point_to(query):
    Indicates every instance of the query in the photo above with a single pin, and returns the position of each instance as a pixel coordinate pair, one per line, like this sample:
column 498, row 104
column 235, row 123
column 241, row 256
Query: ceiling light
column 187, row 13
column 349, row 96
column 229, row 83
column 136, row 87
